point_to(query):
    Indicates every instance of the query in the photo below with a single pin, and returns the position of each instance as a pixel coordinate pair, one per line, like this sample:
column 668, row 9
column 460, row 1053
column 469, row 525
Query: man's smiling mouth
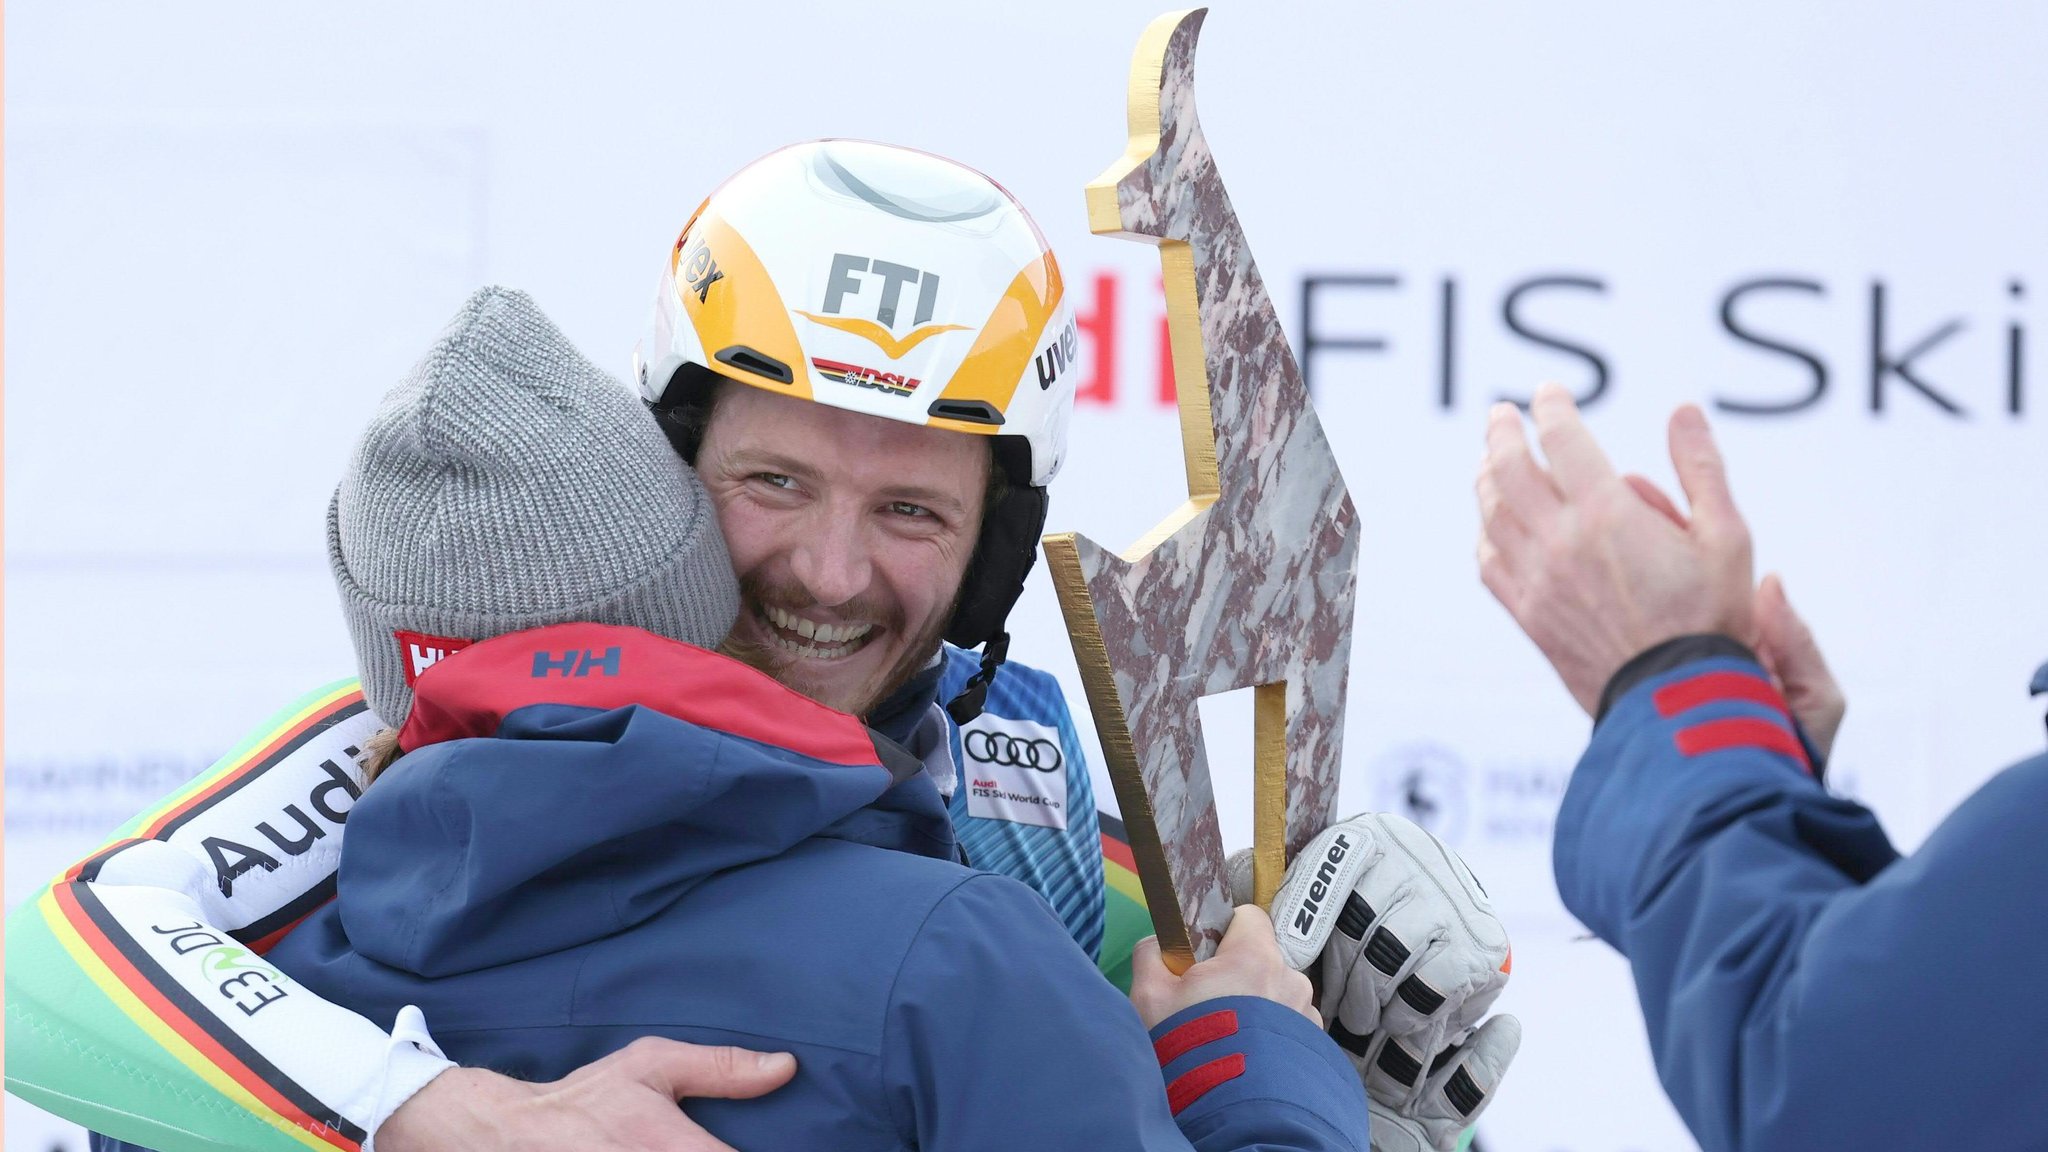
column 800, row 637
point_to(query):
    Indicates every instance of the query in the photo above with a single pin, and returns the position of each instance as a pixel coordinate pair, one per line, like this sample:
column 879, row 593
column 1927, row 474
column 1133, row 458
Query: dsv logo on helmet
column 1012, row 751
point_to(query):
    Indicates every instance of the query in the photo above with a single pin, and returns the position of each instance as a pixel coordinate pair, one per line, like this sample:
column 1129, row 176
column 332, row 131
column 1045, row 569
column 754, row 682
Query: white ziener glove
column 1435, row 1116
column 1412, row 957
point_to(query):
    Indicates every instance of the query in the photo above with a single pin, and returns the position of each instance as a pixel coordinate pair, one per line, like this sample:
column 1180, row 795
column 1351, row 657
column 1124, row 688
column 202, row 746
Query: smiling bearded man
column 850, row 534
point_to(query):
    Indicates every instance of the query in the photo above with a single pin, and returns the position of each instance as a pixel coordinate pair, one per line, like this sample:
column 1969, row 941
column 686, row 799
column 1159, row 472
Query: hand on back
column 625, row 1102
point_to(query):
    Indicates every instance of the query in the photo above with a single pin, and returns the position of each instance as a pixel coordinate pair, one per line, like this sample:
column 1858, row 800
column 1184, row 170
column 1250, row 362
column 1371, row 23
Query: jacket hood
column 570, row 782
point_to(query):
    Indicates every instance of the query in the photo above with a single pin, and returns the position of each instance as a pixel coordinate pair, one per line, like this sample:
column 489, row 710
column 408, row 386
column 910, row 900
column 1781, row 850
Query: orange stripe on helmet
column 1009, row 338
column 732, row 302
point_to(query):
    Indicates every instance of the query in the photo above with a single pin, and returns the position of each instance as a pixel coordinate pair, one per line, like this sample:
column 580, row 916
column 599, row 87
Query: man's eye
column 776, row 479
column 906, row 508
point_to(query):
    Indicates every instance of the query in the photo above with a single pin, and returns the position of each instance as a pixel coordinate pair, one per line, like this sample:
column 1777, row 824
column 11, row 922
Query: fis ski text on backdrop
column 1861, row 342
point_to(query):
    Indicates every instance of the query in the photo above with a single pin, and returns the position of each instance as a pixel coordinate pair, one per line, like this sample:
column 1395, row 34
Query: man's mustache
column 759, row 591
column 790, row 596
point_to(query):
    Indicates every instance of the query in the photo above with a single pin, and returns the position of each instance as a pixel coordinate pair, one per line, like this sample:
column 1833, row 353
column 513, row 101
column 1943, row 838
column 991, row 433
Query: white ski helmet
column 888, row 281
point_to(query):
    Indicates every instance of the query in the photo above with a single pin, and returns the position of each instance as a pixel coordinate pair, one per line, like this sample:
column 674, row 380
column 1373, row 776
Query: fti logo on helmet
column 880, row 283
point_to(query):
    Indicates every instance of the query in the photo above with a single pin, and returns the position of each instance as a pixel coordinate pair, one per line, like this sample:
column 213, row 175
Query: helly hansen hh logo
column 576, row 663
column 418, row 651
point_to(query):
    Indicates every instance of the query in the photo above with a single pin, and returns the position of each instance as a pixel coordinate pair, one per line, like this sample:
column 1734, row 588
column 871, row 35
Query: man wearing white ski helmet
column 885, row 282
column 866, row 350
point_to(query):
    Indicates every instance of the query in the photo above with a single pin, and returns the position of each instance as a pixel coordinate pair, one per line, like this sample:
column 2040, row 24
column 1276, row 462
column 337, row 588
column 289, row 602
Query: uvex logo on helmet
column 1058, row 356
column 700, row 271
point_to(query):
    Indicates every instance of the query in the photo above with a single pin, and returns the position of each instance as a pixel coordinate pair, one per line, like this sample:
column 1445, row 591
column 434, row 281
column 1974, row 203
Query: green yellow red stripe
column 1120, row 870
column 1115, row 851
column 187, row 1040
column 1125, row 884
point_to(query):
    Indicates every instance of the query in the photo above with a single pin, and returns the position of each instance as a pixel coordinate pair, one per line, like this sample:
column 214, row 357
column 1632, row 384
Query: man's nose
column 832, row 561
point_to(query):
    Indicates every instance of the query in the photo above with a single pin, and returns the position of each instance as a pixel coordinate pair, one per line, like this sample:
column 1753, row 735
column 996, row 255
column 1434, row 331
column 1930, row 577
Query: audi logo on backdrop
column 1012, row 751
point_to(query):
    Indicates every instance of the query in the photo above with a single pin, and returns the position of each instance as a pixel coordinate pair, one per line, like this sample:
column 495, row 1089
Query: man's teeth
column 811, row 651
column 809, row 630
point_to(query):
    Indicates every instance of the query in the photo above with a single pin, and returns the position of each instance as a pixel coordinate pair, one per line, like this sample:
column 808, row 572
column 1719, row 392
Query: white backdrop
column 230, row 227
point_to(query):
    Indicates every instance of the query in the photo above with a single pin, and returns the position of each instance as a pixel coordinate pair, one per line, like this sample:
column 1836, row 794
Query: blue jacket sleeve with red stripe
column 1002, row 1035
column 1242, row 1072
column 1803, row 986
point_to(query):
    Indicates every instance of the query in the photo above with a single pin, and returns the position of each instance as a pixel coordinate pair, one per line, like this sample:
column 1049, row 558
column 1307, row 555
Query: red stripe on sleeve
column 1741, row 732
column 1192, row 1086
column 1713, row 687
column 1193, row 1034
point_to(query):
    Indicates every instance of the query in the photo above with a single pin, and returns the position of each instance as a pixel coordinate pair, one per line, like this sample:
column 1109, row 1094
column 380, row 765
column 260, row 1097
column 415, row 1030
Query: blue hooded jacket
column 602, row 835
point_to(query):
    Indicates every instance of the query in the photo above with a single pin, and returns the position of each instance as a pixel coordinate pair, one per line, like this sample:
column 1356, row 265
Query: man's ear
column 687, row 406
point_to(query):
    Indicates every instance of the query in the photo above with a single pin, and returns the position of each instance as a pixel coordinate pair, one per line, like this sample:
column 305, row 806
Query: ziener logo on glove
column 1326, row 875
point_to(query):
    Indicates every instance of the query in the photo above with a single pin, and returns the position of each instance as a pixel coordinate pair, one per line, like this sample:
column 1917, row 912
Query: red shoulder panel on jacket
column 470, row 692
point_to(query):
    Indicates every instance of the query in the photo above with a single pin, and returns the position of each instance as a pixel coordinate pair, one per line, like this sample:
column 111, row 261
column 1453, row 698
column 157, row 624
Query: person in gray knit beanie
column 508, row 484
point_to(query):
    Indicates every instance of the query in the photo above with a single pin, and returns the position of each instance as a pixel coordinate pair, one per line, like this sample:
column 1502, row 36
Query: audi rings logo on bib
column 1015, row 771
column 1010, row 751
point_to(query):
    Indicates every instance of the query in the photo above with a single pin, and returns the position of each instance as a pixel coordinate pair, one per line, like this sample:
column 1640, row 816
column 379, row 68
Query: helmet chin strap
column 995, row 578
column 967, row 705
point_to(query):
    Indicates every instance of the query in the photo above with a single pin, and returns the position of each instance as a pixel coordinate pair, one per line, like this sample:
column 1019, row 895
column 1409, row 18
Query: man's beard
column 789, row 668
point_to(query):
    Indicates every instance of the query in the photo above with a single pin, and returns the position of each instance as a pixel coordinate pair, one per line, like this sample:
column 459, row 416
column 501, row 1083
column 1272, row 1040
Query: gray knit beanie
column 507, row 484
